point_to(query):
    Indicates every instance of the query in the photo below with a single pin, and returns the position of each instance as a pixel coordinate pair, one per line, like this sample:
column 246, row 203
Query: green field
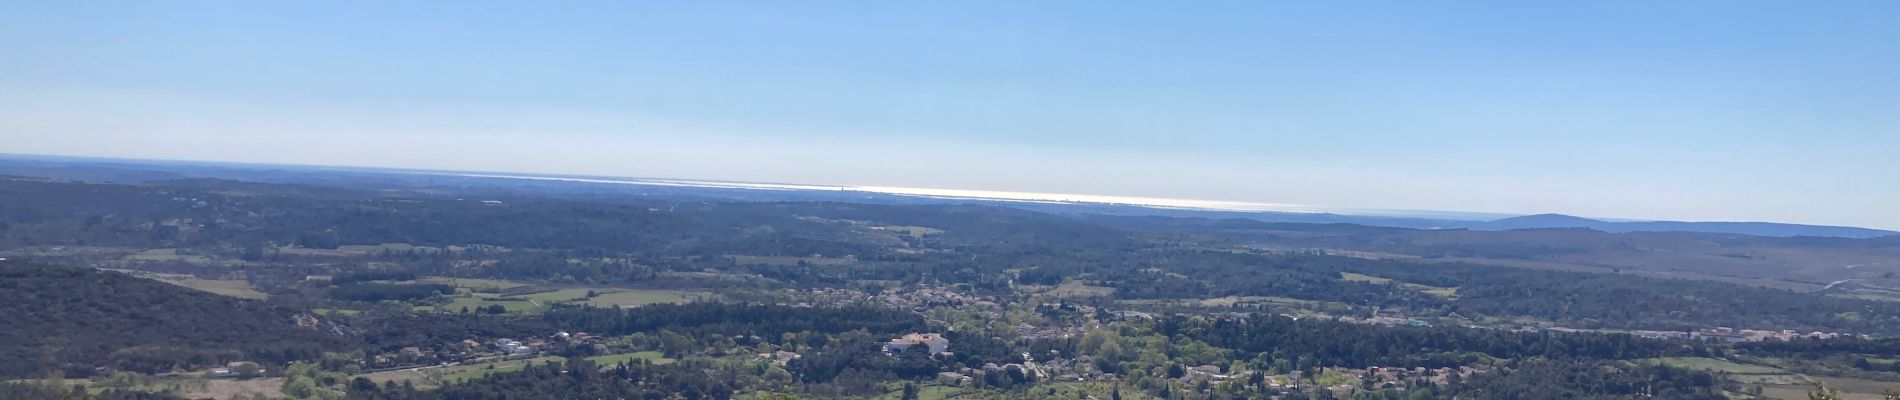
column 791, row 261
column 557, row 296
column 1712, row 364
column 1444, row 292
column 1450, row 293
column 1229, row 301
column 228, row 287
column 1868, row 295
column 166, row 255
column 387, row 247
column 477, row 300
column 641, row 297
column 431, row 377
column 615, row 359
column 1352, row 277
column 414, row 377
column 473, row 283
column 488, row 292
column 531, row 303
column 1335, row 378
column 461, row 373
column 1851, row 389
column 934, row 392
column 233, row 288
column 480, row 293
column 1048, row 390
column 918, row 231
column 1074, row 289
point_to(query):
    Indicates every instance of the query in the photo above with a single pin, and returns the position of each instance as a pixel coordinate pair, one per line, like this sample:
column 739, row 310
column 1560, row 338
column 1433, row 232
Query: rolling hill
column 83, row 321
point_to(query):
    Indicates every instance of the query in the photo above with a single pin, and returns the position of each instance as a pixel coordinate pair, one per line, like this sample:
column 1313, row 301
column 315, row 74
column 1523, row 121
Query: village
column 1019, row 319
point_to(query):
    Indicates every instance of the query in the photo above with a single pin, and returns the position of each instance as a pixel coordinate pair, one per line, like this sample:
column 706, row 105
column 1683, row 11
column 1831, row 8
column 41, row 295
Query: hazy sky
column 1721, row 110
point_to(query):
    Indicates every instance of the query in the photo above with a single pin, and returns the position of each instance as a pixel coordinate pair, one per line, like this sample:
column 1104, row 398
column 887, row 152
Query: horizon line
column 940, row 193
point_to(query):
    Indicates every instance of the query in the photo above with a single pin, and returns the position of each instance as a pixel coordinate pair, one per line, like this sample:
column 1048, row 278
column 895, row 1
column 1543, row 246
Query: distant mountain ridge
column 127, row 170
column 1548, row 221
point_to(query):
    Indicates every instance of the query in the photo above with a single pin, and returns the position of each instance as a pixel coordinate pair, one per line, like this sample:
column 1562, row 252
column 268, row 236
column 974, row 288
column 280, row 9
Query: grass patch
column 431, row 377
column 387, row 248
column 233, row 288
column 930, row 392
column 1851, row 388
column 1335, row 378
column 472, row 301
column 1073, row 289
column 1223, row 302
column 1230, row 301
column 525, row 298
column 473, row 283
column 414, row 377
column 709, row 276
column 294, row 250
column 792, row 261
column 640, row 297
column 532, row 303
column 165, row 255
column 462, row 373
column 1866, row 296
column 1448, row 293
column 1712, row 364
column 917, row 231
column 615, row 359
column 557, row 296
column 1042, row 390
column 1352, row 277
column 228, row 287
column 236, row 289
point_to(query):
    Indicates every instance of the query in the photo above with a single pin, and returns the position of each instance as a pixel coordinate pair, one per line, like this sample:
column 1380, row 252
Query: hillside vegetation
column 74, row 319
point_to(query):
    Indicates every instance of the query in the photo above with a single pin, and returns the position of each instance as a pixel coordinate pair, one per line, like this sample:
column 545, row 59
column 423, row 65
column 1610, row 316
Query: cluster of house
column 513, row 347
column 1094, row 312
column 917, row 299
column 1060, row 369
column 1054, row 367
column 554, row 342
column 1028, row 368
column 238, row 369
column 828, row 297
column 576, row 337
column 1749, row 335
column 1379, row 377
column 1717, row 333
column 470, row 349
column 779, row 357
column 1385, row 321
column 1028, row 331
column 1397, row 376
column 935, row 343
column 924, row 298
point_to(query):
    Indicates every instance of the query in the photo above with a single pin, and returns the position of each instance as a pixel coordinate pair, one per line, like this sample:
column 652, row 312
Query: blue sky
column 1670, row 110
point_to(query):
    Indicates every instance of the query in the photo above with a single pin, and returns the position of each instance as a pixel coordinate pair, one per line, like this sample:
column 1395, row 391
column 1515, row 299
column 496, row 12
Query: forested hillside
column 445, row 293
column 1790, row 262
column 985, row 248
column 73, row 320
